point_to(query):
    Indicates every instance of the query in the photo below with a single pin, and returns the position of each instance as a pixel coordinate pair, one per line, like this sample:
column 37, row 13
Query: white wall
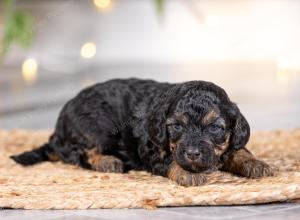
column 190, row 31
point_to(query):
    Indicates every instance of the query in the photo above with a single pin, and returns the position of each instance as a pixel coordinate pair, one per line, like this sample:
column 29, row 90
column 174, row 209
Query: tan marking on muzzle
column 221, row 148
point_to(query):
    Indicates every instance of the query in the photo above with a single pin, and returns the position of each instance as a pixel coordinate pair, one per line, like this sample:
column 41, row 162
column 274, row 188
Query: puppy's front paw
column 104, row 163
column 110, row 164
column 185, row 178
column 191, row 179
column 253, row 168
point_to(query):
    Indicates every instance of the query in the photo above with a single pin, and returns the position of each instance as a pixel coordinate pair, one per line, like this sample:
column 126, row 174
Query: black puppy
column 180, row 131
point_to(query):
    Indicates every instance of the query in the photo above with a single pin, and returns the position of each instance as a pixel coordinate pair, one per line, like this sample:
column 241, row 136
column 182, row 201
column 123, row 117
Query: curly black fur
column 147, row 125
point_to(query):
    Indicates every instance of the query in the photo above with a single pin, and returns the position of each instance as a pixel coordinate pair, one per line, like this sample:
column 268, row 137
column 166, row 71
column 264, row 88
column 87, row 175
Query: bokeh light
column 288, row 63
column 88, row 50
column 102, row 4
column 288, row 69
column 30, row 70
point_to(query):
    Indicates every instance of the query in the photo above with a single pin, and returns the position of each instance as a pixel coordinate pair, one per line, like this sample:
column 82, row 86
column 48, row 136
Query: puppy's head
column 197, row 125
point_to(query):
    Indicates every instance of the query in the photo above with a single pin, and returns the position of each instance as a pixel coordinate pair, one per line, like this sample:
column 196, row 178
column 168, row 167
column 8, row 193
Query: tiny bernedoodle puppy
column 180, row 131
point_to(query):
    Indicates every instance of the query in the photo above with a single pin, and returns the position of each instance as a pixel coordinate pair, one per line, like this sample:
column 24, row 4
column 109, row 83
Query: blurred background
column 52, row 49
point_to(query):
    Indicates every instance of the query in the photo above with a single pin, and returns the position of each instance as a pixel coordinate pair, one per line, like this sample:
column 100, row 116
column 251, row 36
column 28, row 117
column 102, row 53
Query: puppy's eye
column 214, row 129
column 176, row 127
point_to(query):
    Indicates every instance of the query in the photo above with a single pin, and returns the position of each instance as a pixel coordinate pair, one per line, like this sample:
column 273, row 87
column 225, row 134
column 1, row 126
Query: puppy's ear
column 157, row 117
column 150, row 123
column 157, row 125
column 240, row 131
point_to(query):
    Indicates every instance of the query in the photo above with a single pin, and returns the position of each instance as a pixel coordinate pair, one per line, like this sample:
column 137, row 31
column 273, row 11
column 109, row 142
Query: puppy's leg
column 183, row 177
column 243, row 163
column 104, row 163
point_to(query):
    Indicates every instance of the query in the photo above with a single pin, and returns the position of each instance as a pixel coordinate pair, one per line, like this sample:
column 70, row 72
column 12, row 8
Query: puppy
column 180, row 131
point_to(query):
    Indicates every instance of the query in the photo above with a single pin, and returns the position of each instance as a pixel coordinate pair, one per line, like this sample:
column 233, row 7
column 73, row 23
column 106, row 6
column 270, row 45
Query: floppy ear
column 157, row 129
column 240, row 132
column 150, row 120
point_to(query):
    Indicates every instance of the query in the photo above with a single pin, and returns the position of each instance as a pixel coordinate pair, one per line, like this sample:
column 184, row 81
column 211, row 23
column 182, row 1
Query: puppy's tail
column 43, row 153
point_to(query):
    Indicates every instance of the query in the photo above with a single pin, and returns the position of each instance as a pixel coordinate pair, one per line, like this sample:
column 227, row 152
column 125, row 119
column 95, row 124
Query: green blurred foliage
column 18, row 28
column 160, row 4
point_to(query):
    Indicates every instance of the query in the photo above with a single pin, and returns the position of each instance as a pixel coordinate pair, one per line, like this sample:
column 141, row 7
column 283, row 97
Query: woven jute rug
column 60, row 186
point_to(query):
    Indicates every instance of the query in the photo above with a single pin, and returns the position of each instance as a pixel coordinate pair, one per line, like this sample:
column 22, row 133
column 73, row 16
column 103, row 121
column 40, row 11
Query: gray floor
column 266, row 104
column 272, row 211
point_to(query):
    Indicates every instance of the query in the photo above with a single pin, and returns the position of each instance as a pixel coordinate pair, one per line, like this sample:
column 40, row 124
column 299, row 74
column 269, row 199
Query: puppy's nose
column 193, row 153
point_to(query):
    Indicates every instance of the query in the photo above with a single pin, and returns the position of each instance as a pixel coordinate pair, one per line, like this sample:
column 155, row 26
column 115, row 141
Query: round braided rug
column 60, row 186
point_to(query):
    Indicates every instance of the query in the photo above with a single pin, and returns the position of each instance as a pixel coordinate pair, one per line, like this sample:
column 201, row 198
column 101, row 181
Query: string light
column 30, row 70
column 88, row 50
column 102, row 4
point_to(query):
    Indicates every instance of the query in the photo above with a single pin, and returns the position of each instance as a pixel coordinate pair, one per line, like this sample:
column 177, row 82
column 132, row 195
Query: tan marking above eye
column 182, row 118
column 169, row 121
column 210, row 116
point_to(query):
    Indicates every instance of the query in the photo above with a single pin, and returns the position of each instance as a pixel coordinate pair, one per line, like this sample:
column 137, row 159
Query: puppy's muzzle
column 192, row 153
column 199, row 153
